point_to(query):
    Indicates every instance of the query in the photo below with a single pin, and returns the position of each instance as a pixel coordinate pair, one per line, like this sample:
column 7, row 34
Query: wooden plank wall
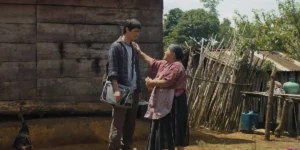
column 56, row 50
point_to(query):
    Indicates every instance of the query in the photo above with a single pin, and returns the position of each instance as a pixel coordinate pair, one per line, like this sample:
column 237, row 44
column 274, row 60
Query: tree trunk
column 269, row 106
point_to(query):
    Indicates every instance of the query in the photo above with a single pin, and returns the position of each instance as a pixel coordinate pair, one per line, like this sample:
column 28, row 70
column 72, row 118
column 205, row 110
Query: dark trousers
column 122, row 125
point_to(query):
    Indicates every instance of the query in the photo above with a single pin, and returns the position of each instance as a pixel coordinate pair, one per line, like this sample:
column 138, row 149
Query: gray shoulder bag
column 126, row 97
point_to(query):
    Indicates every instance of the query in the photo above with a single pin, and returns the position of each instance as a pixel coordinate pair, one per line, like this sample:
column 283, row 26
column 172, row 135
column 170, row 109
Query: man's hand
column 117, row 95
column 117, row 92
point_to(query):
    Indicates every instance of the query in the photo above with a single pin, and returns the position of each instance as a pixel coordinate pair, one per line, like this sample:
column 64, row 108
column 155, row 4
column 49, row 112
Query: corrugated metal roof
column 225, row 57
column 282, row 62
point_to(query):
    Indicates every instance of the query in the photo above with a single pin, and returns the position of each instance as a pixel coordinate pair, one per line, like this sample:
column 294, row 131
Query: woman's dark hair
column 131, row 24
column 177, row 50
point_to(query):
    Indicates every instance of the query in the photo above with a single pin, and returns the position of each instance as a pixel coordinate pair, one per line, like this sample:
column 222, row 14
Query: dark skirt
column 171, row 130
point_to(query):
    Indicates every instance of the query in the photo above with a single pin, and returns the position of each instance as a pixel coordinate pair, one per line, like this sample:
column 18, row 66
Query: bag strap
column 121, row 47
column 121, row 51
column 133, row 59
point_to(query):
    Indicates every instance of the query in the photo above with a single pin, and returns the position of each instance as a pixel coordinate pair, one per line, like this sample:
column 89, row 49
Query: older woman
column 172, row 129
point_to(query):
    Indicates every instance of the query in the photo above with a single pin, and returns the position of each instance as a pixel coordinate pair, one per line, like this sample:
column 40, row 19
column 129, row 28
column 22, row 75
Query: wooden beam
column 279, row 108
column 97, row 16
column 53, row 87
column 253, row 93
column 71, row 98
column 11, row 13
column 78, row 68
column 40, row 108
column 17, row 71
column 269, row 105
column 135, row 4
column 20, row 90
column 50, row 32
column 294, row 97
column 17, row 52
column 289, row 95
column 56, row 51
column 18, row 1
column 17, row 33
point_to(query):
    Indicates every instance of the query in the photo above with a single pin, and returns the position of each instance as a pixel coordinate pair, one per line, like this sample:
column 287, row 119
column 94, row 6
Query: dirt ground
column 90, row 133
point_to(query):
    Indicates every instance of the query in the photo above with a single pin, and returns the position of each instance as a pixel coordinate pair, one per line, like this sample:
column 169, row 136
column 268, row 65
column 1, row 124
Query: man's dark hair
column 131, row 24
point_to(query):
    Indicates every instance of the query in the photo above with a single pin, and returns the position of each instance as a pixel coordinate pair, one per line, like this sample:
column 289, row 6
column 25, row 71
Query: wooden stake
column 214, row 102
column 279, row 109
column 269, row 105
column 283, row 118
column 189, row 68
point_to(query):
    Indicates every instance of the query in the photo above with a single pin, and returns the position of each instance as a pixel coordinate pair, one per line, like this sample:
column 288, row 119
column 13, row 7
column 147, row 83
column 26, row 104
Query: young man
column 123, row 68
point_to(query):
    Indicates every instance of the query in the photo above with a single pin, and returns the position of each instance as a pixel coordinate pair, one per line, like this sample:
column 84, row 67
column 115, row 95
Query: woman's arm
column 147, row 58
column 169, row 78
column 157, row 82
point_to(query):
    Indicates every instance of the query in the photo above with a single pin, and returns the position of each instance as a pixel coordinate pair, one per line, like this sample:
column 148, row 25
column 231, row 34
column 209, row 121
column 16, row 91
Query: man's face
column 133, row 34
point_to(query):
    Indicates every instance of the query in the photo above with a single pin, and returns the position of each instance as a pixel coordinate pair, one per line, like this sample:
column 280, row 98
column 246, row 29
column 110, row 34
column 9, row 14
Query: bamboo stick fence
column 216, row 81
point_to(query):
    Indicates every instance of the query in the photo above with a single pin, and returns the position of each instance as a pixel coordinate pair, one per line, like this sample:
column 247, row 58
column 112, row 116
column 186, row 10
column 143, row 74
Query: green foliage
column 211, row 5
column 267, row 65
column 268, row 31
column 271, row 32
column 225, row 31
column 290, row 27
column 195, row 24
column 244, row 35
column 171, row 19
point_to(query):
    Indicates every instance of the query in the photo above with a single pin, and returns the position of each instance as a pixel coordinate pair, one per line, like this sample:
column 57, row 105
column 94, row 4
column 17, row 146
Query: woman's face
column 169, row 55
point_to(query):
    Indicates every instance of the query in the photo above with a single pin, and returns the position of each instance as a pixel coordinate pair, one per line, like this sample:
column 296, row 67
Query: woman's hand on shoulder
column 137, row 47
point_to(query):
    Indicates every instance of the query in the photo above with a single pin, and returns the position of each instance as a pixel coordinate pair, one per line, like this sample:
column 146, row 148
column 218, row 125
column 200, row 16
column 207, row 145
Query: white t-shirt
column 131, row 79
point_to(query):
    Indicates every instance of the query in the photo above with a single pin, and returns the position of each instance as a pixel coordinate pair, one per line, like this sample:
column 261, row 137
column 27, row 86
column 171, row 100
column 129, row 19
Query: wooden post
column 283, row 118
column 40, row 108
column 279, row 109
column 269, row 105
column 189, row 68
column 244, row 102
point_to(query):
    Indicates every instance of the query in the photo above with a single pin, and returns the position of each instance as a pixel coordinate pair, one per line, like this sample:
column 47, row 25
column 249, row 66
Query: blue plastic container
column 248, row 121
